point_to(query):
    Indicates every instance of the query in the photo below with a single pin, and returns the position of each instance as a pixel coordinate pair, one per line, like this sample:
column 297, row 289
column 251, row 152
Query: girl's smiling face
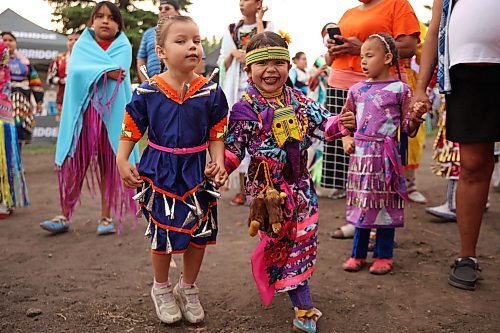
column 269, row 75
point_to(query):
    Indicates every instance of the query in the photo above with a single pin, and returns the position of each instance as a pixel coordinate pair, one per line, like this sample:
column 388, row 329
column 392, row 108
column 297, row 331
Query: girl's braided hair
column 389, row 44
column 162, row 29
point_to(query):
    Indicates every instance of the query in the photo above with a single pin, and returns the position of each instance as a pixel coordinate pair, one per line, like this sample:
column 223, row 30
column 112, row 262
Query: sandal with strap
column 105, row 226
column 381, row 266
column 464, row 273
column 305, row 320
column 56, row 225
column 353, row 264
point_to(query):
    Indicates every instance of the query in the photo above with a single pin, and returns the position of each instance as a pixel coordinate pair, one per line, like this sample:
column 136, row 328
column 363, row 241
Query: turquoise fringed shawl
column 87, row 80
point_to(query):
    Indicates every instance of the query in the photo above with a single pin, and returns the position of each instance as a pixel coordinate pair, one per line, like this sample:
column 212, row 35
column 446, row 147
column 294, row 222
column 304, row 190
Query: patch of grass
column 39, row 149
column 143, row 143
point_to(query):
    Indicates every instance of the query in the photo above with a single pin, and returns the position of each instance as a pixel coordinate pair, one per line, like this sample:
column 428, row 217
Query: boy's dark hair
column 115, row 12
column 266, row 38
column 8, row 33
column 393, row 49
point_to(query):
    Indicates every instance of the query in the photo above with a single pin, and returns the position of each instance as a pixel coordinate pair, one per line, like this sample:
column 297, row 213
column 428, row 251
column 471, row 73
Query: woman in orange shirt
column 395, row 17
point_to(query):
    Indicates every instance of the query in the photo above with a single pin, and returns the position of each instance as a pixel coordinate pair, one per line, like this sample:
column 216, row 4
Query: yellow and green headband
column 267, row 53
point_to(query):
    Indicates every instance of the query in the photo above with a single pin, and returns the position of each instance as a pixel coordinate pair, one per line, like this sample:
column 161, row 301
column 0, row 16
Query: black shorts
column 24, row 136
column 473, row 107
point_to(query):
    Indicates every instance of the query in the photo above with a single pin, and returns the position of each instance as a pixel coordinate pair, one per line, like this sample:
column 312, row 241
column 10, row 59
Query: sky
column 303, row 20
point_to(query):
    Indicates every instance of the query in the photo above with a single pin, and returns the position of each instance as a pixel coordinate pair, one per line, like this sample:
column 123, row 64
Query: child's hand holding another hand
column 216, row 173
column 211, row 170
column 419, row 110
column 348, row 145
column 348, row 120
column 221, row 177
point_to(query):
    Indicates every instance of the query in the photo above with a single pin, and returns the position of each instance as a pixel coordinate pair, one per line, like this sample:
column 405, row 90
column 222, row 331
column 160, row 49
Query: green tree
column 211, row 44
column 74, row 14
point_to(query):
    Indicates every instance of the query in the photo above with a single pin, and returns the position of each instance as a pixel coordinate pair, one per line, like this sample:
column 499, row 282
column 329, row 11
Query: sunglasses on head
column 165, row 8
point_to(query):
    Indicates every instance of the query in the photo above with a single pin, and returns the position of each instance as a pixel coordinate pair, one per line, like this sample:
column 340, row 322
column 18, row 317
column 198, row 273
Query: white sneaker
column 442, row 212
column 167, row 309
column 190, row 305
column 417, row 197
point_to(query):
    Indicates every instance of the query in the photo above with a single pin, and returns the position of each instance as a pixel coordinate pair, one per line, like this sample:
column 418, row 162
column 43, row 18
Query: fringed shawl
column 87, row 82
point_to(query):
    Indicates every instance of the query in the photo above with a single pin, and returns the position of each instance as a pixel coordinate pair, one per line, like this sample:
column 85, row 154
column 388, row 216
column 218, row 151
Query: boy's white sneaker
column 167, row 309
column 190, row 305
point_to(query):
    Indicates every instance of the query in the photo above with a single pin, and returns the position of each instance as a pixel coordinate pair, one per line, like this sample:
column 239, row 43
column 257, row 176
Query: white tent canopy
column 38, row 44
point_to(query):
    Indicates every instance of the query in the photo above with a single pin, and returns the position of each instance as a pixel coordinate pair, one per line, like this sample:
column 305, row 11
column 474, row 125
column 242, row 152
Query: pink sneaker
column 353, row 264
column 381, row 266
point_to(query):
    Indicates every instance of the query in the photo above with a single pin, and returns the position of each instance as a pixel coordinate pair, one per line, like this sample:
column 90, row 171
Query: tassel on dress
column 167, row 208
column 154, row 243
column 168, row 245
column 172, row 211
column 140, row 195
column 149, row 206
column 148, row 229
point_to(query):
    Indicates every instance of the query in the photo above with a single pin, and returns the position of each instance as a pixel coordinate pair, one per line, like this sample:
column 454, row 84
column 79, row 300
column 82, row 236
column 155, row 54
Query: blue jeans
column 384, row 243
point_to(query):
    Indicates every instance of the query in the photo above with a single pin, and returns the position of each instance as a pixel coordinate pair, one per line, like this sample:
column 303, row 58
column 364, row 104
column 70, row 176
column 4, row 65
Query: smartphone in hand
column 335, row 31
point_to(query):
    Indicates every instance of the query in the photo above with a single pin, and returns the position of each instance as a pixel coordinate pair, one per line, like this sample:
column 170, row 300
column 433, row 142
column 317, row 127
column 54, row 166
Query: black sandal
column 464, row 274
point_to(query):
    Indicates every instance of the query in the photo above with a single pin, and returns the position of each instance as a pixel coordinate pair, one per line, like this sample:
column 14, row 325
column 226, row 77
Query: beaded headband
column 383, row 40
column 267, row 53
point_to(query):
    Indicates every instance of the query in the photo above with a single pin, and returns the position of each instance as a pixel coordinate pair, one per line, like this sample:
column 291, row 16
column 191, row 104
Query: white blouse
column 474, row 32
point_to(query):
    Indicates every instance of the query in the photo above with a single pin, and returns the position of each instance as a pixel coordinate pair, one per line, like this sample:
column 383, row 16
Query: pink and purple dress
column 284, row 261
column 376, row 188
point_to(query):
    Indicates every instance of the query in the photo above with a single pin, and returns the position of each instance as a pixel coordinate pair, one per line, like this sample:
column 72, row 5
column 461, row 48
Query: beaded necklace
column 283, row 108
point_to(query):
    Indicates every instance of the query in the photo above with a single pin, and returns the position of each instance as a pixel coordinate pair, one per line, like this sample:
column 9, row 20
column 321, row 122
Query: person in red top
column 57, row 71
column 395, row 17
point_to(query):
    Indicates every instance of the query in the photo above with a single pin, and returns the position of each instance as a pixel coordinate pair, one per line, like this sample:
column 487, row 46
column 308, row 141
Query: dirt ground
column 84, row 283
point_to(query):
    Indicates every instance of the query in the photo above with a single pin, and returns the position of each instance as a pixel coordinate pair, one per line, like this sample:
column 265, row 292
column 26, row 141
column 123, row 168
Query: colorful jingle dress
column 25, row 81
column 12, row 185
column 278, row 131
column 446, row 153
column 177, row 201
column 376, row 185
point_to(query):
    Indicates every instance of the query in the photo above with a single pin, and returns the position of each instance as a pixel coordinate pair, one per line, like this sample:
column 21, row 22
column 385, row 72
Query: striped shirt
column 147, row 52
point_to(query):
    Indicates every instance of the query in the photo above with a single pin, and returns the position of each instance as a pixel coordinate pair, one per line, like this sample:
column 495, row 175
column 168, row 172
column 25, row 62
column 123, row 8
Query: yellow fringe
column 5, row 195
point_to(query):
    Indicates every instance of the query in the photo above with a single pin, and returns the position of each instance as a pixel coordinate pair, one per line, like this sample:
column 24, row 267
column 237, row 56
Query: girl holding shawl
column 12, row 186
column 275, row 124
column 97, row 90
